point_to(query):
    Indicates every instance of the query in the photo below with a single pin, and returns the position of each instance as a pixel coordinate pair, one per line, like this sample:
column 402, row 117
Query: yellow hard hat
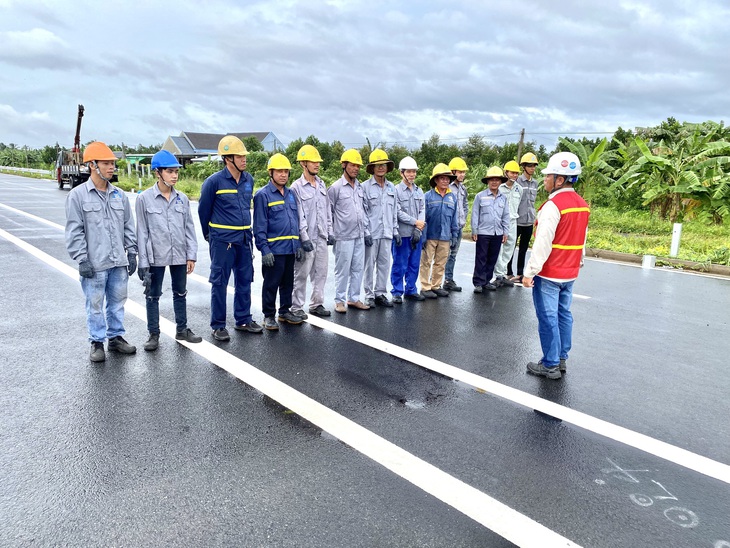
column 351, row 155
column 440, row 169
column 494, row 172
column 308, row 154
column 379, row 156
column 528, row 158
column 512, row 166
column 98, row 151
column 278, row 161
column 230, row 144
column 457, row 164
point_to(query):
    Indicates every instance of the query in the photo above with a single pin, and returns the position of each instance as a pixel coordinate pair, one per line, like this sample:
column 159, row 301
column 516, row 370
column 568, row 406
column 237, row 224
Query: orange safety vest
column 570, row 237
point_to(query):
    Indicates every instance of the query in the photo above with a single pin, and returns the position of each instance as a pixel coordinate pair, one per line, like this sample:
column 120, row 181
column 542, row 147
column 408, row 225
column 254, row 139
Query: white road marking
column 659, row 268
column 655, row 447
column 489, row 512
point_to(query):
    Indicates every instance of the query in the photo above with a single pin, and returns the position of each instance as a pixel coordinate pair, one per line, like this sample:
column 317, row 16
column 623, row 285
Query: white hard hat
column 407, row 163
column 563, row 163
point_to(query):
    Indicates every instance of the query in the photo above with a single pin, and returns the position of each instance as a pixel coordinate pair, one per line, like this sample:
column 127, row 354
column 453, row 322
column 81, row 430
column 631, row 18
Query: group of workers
column 379, row 231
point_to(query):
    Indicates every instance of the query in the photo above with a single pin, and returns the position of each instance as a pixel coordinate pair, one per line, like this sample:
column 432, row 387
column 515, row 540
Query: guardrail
column 27, row 170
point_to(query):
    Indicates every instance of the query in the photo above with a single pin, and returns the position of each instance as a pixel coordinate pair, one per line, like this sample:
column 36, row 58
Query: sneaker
column 415, row 297
column 478, row 289
column 288, row 317
column 341, row 308
column 188, row 335
column 382, row 300
column 441, row 292
column 152, row 343
column 252, row 327
column 563, row 365
column 370, row 303
column 300, row 313
column 358, row 304
column 118, row 344
column 450, row 285
column 506, row 282
column 497, row 282
column 490, row 287
column 428, row 294
column 320, row 311
column 221, row 334
column 97, row 352
column 397, row 299
column 541, row 371
column 270, row 324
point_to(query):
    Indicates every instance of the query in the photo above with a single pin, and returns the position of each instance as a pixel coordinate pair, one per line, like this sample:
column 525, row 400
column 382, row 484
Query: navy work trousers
column 224, row 259
column 279, row 277
column 486, row 257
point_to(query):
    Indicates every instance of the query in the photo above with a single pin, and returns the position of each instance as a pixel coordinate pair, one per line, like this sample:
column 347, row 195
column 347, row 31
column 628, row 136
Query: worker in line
column 458, row 169
column 442, row 231
column 411, row 224
column 166, row 237
column 489, row 228
column 351, row 232
column 555, row 261
column 513, row 192
column 315, row 233
column 276, row 229
column 100, row 238
column 526, row 212
column 225, row 217
column 381, row 208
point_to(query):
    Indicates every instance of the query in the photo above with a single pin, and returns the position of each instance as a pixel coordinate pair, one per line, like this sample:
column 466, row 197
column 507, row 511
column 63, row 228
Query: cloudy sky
column 357, row 69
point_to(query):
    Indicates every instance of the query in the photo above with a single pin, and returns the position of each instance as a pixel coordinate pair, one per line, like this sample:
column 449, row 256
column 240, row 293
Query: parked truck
column 69, row 166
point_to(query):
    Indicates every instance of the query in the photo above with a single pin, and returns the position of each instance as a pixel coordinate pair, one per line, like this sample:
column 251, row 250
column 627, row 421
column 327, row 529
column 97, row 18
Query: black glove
column 453, row 243
column 307, row 246
column 132, row 258
column 267, row 260
column 85, row 269
column 142, row 272
column 368, row 240
column 331, row 240
column 398, row 239
column 299, row 254
column 415, row 238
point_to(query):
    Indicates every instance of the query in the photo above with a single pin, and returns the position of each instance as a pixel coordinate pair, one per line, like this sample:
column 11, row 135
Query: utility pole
column 521, row 144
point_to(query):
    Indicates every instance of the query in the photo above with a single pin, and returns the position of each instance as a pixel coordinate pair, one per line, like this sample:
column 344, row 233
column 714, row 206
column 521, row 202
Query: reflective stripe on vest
column 560, row 246
column 227, row 191
column 574, row 210
column 228, row 227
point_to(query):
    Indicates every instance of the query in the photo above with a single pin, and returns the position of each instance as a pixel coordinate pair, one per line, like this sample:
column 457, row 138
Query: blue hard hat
column 164, row 158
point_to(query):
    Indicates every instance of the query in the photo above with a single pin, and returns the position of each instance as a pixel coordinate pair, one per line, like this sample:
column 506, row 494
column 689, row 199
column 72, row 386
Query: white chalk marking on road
column 489, row 512
column 650, row 445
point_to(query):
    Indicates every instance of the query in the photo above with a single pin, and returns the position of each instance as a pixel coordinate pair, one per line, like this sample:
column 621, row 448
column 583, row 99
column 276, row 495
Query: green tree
column 252, row 144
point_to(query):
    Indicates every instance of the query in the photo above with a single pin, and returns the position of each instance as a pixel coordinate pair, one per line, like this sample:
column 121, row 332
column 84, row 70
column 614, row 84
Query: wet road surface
column 168, row 448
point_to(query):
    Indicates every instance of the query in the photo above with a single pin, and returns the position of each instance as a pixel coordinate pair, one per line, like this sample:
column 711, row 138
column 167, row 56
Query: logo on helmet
column 564, row 163
column 225, row 147
column 572, row 165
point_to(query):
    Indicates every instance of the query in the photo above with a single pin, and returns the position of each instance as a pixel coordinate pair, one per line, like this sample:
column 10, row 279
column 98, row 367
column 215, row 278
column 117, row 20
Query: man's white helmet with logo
column 407, row 163
column 563, row 163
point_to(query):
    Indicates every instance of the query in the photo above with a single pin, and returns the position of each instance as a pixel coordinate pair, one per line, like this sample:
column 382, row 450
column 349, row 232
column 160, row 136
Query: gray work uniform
column 350, row 225
column 514, row 197
column 462, row 202
column 411, row 208
column 381, row 207
column 315, row 225
column 526, row 209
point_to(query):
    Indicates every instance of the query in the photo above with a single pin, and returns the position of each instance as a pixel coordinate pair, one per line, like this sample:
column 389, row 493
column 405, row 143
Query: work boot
column 320, row 311
column 152, row 343
column 358, row 304
column 118, row 344
column 490, row 287
column 370, row 303
column 450, row 285
column 478, row 289
column 540, row 370
column 288, row 317
column 397, row 299
column 221, row 334
column 270, row 323
column 252, row 327
column 506, row 282
column 300, row 313
column 415, row 297
column 563, row 365
column 441, row 292
column 382, row 300
column 428, row 294
column 341, row 308
column 97, row 352
column 188, row 335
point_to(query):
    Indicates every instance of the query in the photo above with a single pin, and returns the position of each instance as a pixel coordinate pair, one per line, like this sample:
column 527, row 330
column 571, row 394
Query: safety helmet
column 230, row 144
column 164, row 158
column 563, row 163
column 457, row 164
column 98, row 151
column 351, row 155
column 407, row 163
column 494, row 172
column 278, row 161
column 440, row 169
column 308, row 154
column 377, row 157
column 528, row 158
column 512, row 166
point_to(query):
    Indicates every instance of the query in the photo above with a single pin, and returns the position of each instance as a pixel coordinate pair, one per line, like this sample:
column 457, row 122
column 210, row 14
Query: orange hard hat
column 98, row 151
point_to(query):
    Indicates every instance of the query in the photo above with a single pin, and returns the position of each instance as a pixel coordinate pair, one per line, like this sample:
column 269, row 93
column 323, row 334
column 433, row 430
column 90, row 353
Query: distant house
column 189, row 145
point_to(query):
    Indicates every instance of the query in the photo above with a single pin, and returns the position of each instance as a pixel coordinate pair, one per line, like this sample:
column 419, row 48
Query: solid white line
column 489, row 512
column 659, row 268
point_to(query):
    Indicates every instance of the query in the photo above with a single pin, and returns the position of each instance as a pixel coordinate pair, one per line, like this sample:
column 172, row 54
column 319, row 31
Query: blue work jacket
column 276, row 221
column 225, row 207
column 442, row 218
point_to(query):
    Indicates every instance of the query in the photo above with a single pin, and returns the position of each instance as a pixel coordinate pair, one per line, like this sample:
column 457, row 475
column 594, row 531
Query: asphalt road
column 355, row 431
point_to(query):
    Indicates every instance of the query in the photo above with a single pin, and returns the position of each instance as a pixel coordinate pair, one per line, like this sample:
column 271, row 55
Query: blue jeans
column 451, row 261
column 179, row 276
column 554, row 321
column 224, row 258
column 109, row 285
column 406, row 263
